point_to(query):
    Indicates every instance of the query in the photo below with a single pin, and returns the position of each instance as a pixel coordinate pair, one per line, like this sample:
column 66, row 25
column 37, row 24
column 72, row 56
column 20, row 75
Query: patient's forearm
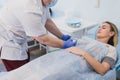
column 50, row 41
column 54, row 42
column 100, row 68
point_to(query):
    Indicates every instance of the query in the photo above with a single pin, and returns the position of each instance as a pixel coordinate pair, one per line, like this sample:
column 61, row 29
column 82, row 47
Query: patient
column 96, row 58
column 108, row 34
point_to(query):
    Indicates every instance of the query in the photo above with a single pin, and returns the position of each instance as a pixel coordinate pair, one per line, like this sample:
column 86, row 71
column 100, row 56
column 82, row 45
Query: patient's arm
column 100, row 68
column 48, row 40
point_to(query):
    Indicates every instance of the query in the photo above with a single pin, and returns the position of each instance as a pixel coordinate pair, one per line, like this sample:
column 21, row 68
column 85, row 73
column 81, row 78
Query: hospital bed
column 110, row 75
column 91, row 33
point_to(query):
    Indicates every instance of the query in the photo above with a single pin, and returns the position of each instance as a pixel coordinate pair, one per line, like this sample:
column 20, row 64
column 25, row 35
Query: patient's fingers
column 72, row 50
column 69, row 49
column 75, row 50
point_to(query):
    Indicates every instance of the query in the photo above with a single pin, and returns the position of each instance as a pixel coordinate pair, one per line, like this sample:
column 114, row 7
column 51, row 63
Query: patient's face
column 104, row 31
column 45, row 2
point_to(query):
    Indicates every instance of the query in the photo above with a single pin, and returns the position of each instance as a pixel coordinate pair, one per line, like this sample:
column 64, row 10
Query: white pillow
column 92, row 32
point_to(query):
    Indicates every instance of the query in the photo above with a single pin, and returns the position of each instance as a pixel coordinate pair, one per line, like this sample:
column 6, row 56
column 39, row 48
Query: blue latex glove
column 65, row 37
column 69, row 43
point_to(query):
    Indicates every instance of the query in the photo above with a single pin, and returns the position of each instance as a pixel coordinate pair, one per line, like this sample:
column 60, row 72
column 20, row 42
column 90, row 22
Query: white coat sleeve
column 30, row 16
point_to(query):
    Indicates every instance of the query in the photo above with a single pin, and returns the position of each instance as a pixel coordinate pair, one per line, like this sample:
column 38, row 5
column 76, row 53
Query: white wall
column 2, row 3
column 86, row 9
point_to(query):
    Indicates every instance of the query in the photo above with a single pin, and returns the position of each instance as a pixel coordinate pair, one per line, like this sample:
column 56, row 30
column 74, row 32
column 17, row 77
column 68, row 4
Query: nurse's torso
column 15, row 46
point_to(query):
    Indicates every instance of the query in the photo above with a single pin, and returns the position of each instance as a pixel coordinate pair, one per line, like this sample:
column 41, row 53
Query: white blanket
column 60, row 65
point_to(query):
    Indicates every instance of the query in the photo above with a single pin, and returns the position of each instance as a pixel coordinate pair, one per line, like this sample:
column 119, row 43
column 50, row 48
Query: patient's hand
column 76, row 51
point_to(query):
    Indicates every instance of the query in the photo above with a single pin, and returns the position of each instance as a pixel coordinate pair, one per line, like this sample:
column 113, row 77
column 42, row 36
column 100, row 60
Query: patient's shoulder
column 112, row 52
column 110, row 47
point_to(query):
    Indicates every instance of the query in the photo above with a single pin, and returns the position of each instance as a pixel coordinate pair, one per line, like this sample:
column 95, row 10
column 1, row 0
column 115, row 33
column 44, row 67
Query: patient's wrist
column 83, row 54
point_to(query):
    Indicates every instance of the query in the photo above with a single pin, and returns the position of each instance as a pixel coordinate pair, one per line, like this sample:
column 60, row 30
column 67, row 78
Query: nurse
column 20, row 19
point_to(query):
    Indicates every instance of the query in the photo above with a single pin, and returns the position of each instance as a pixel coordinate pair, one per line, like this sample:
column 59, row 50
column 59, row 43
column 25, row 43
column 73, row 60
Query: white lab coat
column 21, row 18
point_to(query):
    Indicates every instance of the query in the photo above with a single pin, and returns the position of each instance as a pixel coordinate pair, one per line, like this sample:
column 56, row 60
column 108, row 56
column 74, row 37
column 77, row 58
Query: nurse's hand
column 69, row 43
column 65, row 37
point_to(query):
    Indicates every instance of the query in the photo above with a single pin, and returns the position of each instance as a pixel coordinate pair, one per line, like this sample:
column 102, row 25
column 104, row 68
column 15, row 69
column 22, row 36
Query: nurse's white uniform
column 19, row 19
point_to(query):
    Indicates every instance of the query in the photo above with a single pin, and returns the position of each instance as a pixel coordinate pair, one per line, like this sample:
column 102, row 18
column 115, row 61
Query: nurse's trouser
column 13, row 64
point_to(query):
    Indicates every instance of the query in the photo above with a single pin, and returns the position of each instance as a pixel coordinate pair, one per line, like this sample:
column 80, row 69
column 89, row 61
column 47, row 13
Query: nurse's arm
column 52, row 28
column 48, row 40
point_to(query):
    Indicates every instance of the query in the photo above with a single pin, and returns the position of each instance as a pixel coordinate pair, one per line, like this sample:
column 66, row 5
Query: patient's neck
column 104, row 40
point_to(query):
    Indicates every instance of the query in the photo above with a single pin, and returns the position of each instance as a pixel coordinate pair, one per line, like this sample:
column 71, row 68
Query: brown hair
column 114, row 39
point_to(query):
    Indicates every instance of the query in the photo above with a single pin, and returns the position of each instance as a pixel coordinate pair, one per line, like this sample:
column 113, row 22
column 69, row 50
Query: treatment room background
column 93, row 10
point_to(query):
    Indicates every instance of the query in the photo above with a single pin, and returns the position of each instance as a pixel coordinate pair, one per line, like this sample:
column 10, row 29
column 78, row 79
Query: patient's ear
column 112, row 33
